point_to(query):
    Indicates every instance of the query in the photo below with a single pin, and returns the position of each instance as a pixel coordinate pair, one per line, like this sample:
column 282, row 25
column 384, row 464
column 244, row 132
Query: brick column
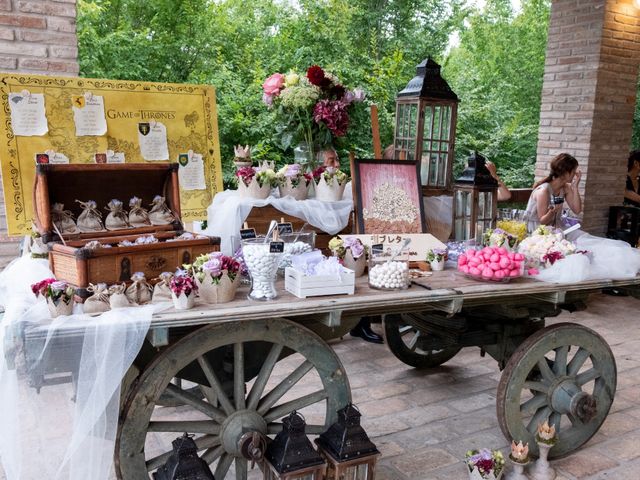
column 37, row 37
column 589, row 96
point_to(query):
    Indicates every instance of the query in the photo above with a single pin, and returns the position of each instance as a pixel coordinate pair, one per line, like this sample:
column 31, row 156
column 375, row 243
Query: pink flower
column 267, row 99
column 333, row 113
column 273, row 84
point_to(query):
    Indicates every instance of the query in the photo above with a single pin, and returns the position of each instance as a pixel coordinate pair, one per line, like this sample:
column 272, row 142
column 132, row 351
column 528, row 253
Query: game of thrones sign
column 54, row 120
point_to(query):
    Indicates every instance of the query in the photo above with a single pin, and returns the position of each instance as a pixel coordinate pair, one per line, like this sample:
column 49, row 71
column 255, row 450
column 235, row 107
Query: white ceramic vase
column 222, row 292
column 329, row 192
column 542, row 470
column 182, row 301
column 60, row 308
column 475, row 475
column 517, row 472
column 253, row 190
column 437, row 265
column 298, row 192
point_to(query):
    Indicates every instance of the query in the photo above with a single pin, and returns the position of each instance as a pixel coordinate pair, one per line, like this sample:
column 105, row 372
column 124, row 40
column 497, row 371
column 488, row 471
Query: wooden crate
column 71, row 261
column 302, row 286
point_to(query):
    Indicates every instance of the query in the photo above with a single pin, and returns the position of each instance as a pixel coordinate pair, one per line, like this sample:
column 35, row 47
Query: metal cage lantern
column 291, row 456
column 475, row 200
column 346, row 446
column 426, row 112
column 184, row 463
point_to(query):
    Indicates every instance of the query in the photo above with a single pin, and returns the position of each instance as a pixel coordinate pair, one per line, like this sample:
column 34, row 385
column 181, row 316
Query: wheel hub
column 234, row 429
column 568, row 398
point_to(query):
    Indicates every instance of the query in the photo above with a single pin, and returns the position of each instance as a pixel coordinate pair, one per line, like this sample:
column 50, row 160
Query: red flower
column 318, row 171
column 338, row 91
column 246, row 174
column 485, row 466
column 40, row 287
column 315, row 74
column 333, row 113
column 552, row 257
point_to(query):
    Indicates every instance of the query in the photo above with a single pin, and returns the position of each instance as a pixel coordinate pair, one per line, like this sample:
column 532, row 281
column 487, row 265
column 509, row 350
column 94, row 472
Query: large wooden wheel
column 407, row 343
column 564, row 373
column 225, row 361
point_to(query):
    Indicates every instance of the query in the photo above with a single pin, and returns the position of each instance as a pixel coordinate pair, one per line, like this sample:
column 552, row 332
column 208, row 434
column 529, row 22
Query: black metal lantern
column 347, row 448
column 426, row 112
column 184, row 463
column 475, row 200
column 291, row 455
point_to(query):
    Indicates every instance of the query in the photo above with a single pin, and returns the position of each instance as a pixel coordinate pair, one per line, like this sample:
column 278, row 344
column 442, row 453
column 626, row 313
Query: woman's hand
column 575, row 182
column 492, row 169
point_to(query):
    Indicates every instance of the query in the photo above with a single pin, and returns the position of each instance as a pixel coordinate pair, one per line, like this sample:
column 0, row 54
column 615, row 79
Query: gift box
column 303, row 286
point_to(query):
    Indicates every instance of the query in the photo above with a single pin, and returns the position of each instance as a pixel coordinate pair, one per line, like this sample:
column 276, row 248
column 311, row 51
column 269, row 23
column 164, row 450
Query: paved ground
column 424, row 421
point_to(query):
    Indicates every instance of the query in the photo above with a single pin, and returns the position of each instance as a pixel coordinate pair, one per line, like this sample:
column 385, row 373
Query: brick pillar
column 589, row 96
column 38, row 37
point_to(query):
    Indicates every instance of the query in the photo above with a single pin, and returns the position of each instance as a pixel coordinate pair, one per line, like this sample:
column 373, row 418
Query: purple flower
column 359, row 95
column 355, row 245
column 59, row 285
column 349, row 97
column 213, row 267
column 267, row 99
column 292, row 171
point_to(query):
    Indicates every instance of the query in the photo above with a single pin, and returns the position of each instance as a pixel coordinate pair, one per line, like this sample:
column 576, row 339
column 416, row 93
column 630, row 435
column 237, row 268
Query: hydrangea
column 299, row 96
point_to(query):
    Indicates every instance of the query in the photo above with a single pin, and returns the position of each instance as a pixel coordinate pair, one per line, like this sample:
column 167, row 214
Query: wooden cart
column 223, row 358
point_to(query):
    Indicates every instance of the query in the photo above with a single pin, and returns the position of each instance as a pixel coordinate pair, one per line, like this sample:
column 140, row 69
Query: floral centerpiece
column 436, row 258
column 255, row 182
column 312, row 108
column 58, row 294
column 515, row 228
column 485, row 464
column 497, row 237
column 351, row 252
column 293, row 181
column 242, row 156
column 545, row 247
column 329, row 183
column 183, row 290
column 217, row 277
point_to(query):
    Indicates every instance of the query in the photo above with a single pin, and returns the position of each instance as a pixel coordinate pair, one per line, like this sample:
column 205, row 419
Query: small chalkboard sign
column 247, row 233
column 377, row 248
column 285, row 227
column 276, row 247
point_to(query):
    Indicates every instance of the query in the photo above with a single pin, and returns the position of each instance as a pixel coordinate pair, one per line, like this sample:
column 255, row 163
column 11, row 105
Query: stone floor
column 424, row 421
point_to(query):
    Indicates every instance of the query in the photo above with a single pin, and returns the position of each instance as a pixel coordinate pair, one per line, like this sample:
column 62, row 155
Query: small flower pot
column 254, row 190
column 357, row 265
column 60, row 308
column 437, row 265
column 476, row 475
column 299, row 192
column 222, row 292
column 329, row 192
column 182, row 301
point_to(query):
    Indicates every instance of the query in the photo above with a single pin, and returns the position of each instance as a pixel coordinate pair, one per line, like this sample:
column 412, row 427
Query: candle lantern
column 291, row 456
column 184, row 463
column 475, row 200
column 346, row 446
column 426, row 126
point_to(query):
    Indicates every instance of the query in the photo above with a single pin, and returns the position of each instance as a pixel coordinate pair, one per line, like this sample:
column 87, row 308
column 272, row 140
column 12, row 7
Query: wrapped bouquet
column 545, row 247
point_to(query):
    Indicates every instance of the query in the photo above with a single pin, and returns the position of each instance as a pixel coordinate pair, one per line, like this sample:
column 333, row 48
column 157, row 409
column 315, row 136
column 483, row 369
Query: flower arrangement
column 339, row 247
column 519, row 452
column 182, row 283
column 328, row 174
column 214, row 265
column 59, row 295
column 497, row 237
column 294, row 175
column 546, row 433
column 313, row 108
column 514, row 228
column 436, row 255
column 545, row 247
column 263, row 176
column 489, row 464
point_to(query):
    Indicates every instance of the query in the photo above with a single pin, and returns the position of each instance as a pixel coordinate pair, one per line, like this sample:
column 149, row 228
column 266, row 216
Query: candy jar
column 389, row 270
column 262, row 260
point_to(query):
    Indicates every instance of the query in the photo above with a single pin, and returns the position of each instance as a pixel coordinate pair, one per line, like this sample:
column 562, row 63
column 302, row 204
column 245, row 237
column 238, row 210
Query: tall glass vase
column 304, row 154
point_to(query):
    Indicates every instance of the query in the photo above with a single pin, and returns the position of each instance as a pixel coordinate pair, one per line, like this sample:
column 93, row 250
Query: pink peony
column 333, row 113
column 273, row 84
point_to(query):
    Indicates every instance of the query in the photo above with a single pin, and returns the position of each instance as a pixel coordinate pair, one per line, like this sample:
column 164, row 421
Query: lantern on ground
column 426, row 126
column 346, row 446
column 475, row 200
column 291, row 455
column 184, row 463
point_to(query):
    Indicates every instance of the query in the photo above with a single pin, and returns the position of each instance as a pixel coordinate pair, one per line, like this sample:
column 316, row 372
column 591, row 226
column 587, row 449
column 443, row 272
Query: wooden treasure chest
column 112, row 256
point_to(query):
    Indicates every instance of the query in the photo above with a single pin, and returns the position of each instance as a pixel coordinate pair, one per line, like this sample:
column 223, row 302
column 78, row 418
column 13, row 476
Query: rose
column 356, row 247
column 58, row 286
column 213, row 267
column 292, row 170
column 273, row 84
column 316, row 76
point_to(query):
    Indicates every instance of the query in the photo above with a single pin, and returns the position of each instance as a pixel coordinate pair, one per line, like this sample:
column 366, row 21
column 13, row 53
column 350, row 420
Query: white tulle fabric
column 62, row 432
column 228, row 212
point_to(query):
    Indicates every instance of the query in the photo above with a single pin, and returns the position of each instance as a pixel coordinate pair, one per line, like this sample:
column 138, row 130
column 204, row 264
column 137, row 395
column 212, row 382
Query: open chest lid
column 101, row 183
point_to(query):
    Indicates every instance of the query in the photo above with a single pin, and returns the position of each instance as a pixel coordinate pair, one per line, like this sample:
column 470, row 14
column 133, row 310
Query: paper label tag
column 247, row 233
column 276, row 247
column 285, row 227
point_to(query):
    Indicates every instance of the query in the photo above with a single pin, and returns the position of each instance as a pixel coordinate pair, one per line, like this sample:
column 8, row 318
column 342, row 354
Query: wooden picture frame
column 377, row 182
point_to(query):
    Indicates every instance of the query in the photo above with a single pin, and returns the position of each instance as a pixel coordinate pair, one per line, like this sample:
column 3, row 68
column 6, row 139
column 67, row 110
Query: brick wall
column 589, row 95
column 39, row 37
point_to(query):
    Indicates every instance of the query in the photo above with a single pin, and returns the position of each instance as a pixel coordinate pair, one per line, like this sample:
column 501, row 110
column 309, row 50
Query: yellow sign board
column 188, row 112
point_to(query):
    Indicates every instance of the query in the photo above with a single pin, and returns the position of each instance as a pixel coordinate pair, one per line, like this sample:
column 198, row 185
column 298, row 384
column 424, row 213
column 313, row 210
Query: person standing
column 632, row 190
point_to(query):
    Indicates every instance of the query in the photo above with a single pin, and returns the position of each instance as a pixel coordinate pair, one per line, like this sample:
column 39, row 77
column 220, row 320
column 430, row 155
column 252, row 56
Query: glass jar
column 389, row 270
column 263, row 268
column 295, row 244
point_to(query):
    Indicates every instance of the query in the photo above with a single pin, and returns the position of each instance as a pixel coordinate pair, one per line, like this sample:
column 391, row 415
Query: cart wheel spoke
column 276, row 427
column 533, row 404
column 587, row 376
column 204, row 442
column 241, row 468
column 577, row 361
column 283, row 387
column 263, row 377
column 215, row 386
column 223, row 465
column 541, row 415
column 560, row 362
column 545, row 370
column 238, row 375
column 575, row 421
column 297, row 404
column 194, row 426
column 413, row 343
column 556, row 419
column 212, row 454
column 536, row 386
column 190, row 399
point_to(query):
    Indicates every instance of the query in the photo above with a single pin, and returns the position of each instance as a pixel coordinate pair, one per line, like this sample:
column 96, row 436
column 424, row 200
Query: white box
column 303, row 286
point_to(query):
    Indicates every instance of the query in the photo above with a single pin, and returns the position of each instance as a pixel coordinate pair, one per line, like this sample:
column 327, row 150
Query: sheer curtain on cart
column 66, row 431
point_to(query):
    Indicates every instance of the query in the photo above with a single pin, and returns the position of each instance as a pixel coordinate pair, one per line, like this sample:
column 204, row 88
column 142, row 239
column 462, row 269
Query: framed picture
column 388, row 196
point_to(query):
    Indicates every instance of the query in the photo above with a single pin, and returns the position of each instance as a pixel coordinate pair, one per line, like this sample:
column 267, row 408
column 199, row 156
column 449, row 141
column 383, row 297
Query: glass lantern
column 291, row 455
column 475, row 201
column 346, row 446
column 184, row 462
column 426, row 125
